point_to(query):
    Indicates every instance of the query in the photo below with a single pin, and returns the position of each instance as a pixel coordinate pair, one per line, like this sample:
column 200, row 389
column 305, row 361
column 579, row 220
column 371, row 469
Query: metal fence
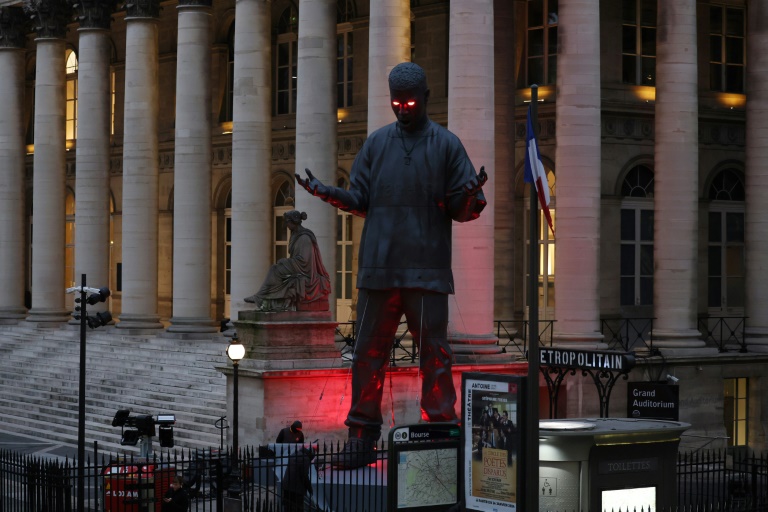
column 706, row 480
column 734, row 479
column 214, row 481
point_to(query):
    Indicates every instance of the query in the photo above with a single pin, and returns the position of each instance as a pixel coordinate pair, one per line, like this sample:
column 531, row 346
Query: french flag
column 534, row 171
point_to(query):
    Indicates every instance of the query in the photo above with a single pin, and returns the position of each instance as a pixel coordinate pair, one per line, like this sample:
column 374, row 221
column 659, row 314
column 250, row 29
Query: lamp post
column 235, row 352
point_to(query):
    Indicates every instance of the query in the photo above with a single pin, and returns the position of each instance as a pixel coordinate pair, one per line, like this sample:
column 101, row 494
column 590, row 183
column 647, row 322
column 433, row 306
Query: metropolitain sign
column 587, row 359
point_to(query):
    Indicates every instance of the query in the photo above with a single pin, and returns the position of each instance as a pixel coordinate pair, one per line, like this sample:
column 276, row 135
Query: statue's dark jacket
column 409, row 188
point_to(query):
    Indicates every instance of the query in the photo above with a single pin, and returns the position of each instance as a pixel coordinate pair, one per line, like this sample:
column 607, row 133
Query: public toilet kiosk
column 599, row 464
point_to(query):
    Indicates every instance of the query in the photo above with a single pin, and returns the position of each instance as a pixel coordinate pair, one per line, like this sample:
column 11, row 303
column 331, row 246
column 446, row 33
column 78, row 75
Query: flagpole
column 532, row 417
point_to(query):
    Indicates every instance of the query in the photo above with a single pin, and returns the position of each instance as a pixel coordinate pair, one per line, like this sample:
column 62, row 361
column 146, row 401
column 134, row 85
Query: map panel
column 427, row 477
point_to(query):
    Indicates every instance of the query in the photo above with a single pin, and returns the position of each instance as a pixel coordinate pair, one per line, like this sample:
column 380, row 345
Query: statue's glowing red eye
column 395, row 103
column 411, row 103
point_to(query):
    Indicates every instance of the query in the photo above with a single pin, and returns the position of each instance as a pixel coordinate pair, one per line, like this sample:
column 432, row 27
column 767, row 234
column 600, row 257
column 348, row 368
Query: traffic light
column 78, row 308
column 99, row 296
column 99, row 319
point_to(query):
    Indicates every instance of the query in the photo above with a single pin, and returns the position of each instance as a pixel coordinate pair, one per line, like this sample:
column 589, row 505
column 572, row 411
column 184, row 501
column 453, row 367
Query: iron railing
column 715, row 476
column 513, row 335
column 624, row 334
column 211, row 478
column 706, row 480
column 629, row 334
column 725, row 332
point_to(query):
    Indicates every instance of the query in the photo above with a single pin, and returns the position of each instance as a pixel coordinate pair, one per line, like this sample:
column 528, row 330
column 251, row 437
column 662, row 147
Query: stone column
column 251, row 152
column 192, row 172
column 49, row 165
column 756, row 235
column 389, row 44
column 93, row 136
column 577, row 276
column 505, row 273
column 471, row 118
column 676, row 162
column 140, row 169
column 316, row 119
column 12, row 241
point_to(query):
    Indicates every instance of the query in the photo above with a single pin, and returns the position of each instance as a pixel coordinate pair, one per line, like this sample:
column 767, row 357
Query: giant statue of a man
column 410, row 180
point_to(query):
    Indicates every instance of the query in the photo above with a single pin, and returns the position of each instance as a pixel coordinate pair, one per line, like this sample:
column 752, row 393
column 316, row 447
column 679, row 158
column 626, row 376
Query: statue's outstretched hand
column 474, row 185
column 313, row 185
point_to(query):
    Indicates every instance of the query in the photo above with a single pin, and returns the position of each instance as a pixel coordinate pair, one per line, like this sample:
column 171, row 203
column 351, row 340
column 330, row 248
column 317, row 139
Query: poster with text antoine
column 491, row 412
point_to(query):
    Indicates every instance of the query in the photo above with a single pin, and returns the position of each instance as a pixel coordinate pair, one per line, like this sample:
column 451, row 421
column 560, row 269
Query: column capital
column 49, row 17
column 195, row 3
column 142, row 8
column 13, row 27
column 93, row 13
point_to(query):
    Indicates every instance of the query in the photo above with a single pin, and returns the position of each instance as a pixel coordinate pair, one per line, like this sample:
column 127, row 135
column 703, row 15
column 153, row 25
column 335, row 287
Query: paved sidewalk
column 26, row 445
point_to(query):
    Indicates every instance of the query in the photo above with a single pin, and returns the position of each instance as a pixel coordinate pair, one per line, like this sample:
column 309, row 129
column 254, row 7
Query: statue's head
column 408, row 94
column 295, row 217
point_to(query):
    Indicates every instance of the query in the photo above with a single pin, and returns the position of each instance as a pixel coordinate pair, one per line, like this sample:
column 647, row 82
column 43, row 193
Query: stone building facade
column 152, row 145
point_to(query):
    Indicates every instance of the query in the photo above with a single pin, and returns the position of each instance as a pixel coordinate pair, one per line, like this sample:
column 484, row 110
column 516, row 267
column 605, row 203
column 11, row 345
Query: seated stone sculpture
column 300, row 281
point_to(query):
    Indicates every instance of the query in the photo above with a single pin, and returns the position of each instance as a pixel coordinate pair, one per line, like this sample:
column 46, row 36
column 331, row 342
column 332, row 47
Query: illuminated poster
column 491, row 415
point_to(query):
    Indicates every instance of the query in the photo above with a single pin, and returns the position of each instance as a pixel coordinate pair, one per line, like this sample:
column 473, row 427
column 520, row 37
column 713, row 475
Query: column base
column 189, row 335
column 48, row 317
column 756, row 339
column 579, row 341
column 12, row 316
column 192, row 325
column 685, row 342
column 139, row 324
column 476, row 348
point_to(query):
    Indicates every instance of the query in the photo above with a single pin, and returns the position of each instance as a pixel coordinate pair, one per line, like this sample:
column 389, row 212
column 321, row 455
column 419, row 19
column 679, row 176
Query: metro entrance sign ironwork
column 604, row 366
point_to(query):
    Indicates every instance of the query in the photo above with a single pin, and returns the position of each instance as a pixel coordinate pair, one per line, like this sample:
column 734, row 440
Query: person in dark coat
column 410, row 180
column 292, row 434
column 296, row 483
column 176, row 498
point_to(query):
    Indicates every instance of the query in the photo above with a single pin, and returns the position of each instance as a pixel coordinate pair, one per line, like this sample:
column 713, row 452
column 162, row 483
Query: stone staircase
column 39, row 384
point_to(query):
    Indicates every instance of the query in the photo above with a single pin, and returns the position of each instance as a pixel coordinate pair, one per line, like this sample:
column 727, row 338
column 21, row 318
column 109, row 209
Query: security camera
column 672, row 379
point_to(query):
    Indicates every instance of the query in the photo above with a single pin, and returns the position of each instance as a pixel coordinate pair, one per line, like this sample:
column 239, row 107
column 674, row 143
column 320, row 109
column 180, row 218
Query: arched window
column 541, row 42
column 636, row 255
column 546, row 277
column 69, row 241
column 71, row 116
column 725, row 254
column 283, row 202
column 286, row 59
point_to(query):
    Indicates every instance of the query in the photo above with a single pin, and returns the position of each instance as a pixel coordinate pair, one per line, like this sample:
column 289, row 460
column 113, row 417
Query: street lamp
column 235, row 352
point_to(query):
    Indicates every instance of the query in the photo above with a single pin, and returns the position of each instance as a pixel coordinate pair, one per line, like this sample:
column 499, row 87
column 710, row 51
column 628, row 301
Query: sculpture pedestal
column 288, row 339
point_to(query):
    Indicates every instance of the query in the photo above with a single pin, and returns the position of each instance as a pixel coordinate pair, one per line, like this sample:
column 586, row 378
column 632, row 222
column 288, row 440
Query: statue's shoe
column 356, row 453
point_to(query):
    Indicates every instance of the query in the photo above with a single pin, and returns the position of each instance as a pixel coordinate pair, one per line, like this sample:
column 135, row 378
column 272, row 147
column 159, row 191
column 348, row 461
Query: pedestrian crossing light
column 99, row 319
column 99, row 295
